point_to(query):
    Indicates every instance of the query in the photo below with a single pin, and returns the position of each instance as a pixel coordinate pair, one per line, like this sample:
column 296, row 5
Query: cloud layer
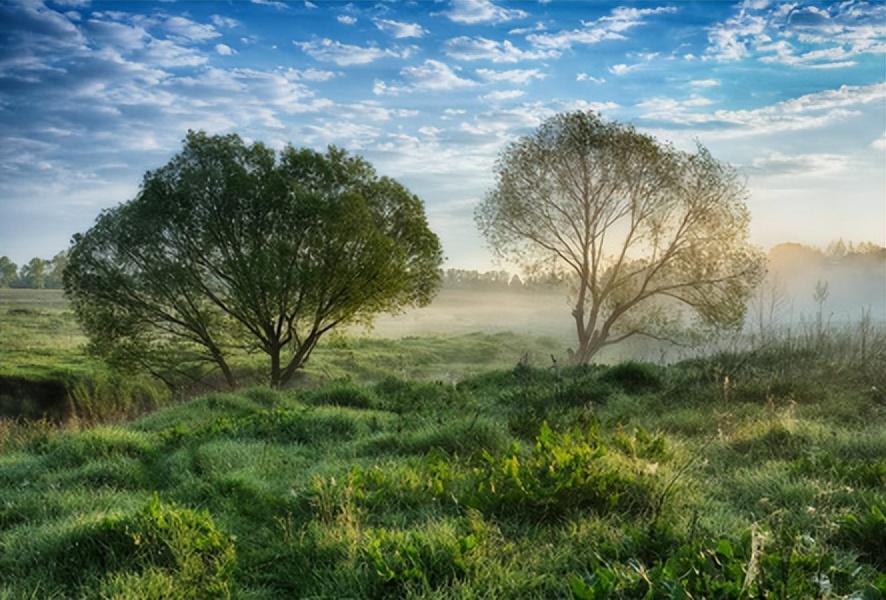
column 93, row 95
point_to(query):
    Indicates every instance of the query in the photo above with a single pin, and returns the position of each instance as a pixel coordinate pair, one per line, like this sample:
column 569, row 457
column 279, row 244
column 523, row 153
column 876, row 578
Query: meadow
column 465, row 465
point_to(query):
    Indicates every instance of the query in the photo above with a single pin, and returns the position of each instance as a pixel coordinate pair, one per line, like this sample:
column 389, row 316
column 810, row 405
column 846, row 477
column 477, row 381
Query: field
column 43, row 358
column 459, row 466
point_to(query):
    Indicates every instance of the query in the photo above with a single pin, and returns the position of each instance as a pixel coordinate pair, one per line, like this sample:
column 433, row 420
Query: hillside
column 604, row 482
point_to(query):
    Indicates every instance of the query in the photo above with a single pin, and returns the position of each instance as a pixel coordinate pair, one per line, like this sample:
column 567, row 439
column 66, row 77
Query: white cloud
column 499, row 96
column 373, row 111
column 190, row 30
column 480, row 48
column 432, row 75
column 539, row 26
column 400, row 29
column 801, row 36
column 165, row 53
column 591, row 78
column 879, row 143
column 222, row 21
column 809, row 111
column 516, row 76
column 344, row 55
column 310, row 74
column 471, row 12
column 704, row 83
column 224, row 50
column 816, row 165
column 622, row 69
column 273, row 3
column 609, row 27
column 354, row 136
column 346, row 19
column 585, row 105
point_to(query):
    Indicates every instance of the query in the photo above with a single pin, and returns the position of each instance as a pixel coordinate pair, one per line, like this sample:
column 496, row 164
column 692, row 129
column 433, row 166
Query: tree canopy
column 643, row 230
column 232, row 247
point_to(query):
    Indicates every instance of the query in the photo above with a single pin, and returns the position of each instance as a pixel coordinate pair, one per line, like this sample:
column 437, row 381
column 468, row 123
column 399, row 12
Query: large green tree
column 232, row 247
column 648, row 235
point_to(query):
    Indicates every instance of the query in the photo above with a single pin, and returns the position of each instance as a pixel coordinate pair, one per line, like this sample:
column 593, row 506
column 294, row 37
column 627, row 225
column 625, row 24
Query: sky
column 93, row 94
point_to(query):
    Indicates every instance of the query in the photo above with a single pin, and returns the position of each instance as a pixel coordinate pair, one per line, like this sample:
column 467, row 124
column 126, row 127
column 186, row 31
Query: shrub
column 634, row 377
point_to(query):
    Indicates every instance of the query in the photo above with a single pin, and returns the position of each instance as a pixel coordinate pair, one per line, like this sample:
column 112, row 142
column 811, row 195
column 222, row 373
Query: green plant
column 564, row 472
column 867, row 533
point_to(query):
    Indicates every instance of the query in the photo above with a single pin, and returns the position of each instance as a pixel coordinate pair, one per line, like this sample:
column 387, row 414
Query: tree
column 8, row 271
column 231, row 247
column 56, row 270
column 33, row 274
column 647, row 234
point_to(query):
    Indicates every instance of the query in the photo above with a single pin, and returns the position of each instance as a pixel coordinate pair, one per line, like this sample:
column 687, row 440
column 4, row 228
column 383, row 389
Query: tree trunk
column 223, row 366
column 274, row 351
column 229, row 375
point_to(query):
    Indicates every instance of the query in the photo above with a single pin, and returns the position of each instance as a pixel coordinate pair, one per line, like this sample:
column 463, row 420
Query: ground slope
column 625, row 482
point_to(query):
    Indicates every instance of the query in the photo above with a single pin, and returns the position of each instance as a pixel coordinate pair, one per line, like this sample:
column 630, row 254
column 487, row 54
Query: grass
column 450, row 466
column 45, row 370
column 527, row 482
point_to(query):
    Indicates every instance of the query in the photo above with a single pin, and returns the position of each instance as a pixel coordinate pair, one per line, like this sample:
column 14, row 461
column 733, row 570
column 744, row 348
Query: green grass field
column 43, row 357
column 464, row 466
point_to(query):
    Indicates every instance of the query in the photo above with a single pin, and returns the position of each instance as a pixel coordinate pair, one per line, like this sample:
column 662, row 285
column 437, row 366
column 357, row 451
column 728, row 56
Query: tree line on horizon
column 36, row 274
column 41, row 273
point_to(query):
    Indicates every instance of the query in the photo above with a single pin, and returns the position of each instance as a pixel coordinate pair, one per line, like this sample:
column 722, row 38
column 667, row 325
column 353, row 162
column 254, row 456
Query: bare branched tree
column 644, row 230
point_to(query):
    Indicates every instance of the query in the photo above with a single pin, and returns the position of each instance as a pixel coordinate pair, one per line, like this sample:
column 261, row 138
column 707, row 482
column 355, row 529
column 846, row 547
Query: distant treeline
column 790, row 259
column 463, row 279
column 37, row 273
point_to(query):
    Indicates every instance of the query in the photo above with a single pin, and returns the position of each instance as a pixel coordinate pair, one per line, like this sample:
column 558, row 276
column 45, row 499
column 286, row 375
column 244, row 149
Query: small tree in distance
column 230, row 247
column 643, row 230
column 8, row 271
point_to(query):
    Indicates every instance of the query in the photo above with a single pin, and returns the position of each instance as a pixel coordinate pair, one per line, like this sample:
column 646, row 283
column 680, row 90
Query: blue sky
column 94, row 93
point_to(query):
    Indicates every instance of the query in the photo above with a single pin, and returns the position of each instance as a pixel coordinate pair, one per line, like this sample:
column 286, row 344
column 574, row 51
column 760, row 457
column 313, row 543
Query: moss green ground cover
column 623, row 482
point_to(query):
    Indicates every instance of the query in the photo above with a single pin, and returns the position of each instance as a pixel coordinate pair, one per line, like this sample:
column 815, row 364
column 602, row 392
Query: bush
column 634, row 377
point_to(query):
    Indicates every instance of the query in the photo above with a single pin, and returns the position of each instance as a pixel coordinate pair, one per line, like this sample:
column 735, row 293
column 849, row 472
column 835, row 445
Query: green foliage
column 424, row 561
column 127, row 554
column 564, row 472
column 785, row 567
column 8, row 271
column 634, row 377
column 867, row 533
column 343, row 394
column 230, row 245
column 578, row 180
column 663, row 492
column 401, row 396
